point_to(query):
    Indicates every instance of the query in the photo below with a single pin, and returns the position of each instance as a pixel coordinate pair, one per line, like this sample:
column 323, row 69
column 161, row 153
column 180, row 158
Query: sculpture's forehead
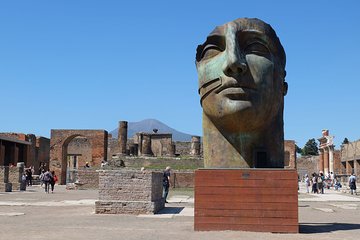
column 243, row 24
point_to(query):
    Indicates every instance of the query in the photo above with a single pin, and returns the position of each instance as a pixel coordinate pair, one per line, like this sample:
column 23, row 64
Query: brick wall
column 180, row 179
column 129, row 192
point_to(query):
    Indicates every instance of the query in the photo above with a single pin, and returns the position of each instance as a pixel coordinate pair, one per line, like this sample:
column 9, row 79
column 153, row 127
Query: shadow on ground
column 170, row 210
column 327, row 227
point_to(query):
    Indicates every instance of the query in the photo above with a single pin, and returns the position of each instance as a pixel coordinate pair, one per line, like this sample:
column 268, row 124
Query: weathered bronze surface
column 241, row 70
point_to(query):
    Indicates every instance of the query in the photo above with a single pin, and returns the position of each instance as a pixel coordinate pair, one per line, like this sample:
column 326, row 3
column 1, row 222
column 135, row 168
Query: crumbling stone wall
column 161, row 144
column 290, row 154
column 129, row 192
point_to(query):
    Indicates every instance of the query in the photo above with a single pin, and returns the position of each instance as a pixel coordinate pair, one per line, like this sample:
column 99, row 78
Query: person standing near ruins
column 314, row 183
column 166, row 182
column 47, row 179
column 352, row 184
column 29, row 176
column 53, row 180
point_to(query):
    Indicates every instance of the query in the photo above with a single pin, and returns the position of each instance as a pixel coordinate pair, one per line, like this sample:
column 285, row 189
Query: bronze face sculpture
column 241, row 70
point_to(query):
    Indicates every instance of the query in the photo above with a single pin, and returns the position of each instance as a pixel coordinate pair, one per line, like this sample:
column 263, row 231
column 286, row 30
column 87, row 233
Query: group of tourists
column 317, row 182
column 48, row 179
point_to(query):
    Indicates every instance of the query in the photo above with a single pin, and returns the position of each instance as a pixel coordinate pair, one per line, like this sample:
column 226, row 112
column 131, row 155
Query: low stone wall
column 182, row 179
column 129, row 192
column 88, row 179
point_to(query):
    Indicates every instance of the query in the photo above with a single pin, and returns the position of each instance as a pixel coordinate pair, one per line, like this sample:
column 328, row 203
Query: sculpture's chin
column 236, row 116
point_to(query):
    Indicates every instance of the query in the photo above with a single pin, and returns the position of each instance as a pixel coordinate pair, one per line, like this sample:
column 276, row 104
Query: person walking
column 352, row 183
column 47, row 179
column 53, row 180
column 29, row 176
column 166, row 182
column 307, row 183
column 320, row 182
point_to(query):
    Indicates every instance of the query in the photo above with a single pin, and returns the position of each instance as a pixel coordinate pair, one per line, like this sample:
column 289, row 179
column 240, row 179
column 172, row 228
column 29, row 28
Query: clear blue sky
column 88, row 64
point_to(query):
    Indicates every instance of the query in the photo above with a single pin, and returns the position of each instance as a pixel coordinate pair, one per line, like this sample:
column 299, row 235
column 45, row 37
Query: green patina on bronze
column 241, row 71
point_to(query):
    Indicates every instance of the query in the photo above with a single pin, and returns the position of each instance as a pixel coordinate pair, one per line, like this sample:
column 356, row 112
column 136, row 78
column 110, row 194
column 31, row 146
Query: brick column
column 321, row 160
column 326, row 160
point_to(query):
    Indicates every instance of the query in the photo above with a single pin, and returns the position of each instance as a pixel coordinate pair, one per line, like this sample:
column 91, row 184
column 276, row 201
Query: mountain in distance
column 148, row 125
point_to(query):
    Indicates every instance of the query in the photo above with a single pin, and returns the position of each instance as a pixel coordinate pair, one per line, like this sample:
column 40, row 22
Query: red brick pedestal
column 259, row 200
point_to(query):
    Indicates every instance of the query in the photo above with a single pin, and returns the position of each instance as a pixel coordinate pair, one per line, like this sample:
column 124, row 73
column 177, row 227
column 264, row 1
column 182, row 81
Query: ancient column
column 195, row 146
column 16, row 154
column 2, row 154
column 331, row 159
column 326, row 160
column 122, row 136
column 173, row 150
column 139, row 137
column 321, row 160
column 31, row 157
column 146, row 145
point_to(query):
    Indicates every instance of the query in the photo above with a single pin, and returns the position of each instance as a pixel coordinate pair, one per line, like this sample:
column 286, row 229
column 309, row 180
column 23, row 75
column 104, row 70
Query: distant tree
column 346, row 141
column 310, row 148
column 297, row 149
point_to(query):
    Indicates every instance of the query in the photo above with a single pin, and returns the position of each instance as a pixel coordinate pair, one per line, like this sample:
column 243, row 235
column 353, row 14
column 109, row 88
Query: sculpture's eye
column 209, row 51
column 257, row 48
column 214, row 45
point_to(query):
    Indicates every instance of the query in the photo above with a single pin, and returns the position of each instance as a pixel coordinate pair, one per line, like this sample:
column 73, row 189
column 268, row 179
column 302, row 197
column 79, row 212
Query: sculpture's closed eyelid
column 215, row 43
column 257, row 47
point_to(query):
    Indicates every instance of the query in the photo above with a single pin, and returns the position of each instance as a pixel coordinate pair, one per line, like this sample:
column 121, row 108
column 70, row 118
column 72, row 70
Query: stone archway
column 60, row 140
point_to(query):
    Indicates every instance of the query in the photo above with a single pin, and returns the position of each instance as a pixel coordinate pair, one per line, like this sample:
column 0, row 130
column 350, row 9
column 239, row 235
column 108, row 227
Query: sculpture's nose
column 235, row 65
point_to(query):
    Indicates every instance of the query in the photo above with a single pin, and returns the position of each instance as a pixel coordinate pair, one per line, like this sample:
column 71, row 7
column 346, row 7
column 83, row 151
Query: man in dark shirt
column 166, row 182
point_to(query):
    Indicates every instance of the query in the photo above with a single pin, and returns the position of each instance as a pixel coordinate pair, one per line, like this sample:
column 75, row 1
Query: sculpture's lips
column 234, row 90
column 235, row 93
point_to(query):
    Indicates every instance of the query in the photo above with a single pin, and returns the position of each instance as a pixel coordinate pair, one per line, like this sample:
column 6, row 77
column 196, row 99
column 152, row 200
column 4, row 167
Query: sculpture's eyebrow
column 247, row 36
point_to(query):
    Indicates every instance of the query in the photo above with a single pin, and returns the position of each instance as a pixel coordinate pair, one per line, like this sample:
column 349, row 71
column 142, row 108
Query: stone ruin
column 129, row 192
column 154, row 144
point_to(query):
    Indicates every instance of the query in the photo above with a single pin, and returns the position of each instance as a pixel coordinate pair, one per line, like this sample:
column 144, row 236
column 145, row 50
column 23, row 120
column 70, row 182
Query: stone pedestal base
column 129, row 192
column 128, row 207
column 23, row 186
column 259, row 200
column 5, row 187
